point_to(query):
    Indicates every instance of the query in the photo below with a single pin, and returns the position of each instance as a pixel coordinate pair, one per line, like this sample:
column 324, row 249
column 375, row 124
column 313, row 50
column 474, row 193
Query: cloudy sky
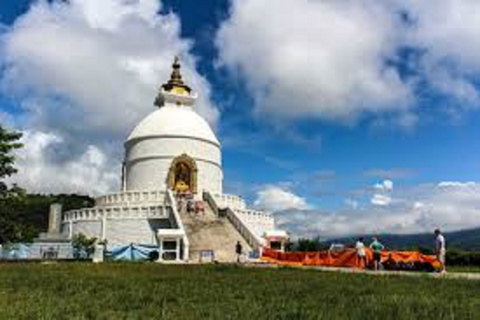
column 341, row 117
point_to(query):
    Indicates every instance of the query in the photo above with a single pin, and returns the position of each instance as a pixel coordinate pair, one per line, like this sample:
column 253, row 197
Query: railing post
column 173, row 205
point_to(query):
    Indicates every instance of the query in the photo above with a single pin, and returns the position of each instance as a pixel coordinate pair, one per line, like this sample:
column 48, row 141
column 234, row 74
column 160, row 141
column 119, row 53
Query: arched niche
column 182, row 175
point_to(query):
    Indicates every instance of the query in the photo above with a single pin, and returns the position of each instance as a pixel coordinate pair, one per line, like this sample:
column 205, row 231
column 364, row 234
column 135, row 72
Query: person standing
column 377, row 248
column 238, row 250
column 440, row 248
column 360, row 247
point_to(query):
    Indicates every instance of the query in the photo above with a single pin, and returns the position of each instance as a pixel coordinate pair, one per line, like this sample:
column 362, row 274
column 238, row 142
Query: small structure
column 170, row 243
column 52, row 244
column 276, row 239
column 98, row 253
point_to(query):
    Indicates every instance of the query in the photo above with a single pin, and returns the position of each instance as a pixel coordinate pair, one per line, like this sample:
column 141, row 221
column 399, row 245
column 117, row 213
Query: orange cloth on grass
column 346, row 258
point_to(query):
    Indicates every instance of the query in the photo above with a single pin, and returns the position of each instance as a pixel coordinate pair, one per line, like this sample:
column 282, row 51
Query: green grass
column 144, row 291
column 469, row 269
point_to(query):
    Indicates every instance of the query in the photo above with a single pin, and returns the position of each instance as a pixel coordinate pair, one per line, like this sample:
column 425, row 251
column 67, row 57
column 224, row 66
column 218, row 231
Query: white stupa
column 174, row 135
column 171, row 152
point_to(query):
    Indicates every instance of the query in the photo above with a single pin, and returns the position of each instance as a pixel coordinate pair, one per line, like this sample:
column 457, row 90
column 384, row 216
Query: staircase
column 206, row 231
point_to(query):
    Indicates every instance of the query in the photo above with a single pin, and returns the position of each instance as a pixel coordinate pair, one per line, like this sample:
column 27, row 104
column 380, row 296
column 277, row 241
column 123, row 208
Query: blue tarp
column 132, row 252
column 253, row 255
column 15, row 251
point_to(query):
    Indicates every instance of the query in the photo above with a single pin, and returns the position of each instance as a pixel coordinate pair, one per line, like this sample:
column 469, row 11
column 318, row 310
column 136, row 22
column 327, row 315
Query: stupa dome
column 174, row 121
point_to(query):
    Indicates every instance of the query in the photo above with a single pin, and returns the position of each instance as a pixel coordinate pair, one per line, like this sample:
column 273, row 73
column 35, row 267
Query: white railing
column 171, row 201
column 227, row 200
column 259, row 222
column 252, row 239
column 255, row 214
column 130, row 197
column 120, row 212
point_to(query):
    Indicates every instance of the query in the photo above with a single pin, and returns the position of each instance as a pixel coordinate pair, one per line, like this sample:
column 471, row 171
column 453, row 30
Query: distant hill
column 468, row 240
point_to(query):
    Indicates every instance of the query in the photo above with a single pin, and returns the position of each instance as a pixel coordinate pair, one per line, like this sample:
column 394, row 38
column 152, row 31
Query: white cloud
column 456, row 184
column 336, row 60
column 384, row 186
column 448, row 205
column 381, row 200
column 449, row 29
column 448, row 35
column 277, row 198
column 90, row 173
column 323, row 59
column 86, row 71
column 382, row 195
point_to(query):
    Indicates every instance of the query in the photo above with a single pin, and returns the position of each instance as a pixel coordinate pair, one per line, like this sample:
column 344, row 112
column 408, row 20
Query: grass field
column 475, row 269
column 144, row 291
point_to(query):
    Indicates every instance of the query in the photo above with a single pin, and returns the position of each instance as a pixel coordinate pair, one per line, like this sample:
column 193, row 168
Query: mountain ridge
column 467, row 239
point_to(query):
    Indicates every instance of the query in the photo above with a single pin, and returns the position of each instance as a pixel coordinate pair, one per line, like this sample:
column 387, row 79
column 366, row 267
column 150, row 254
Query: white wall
column 117, row 232
column 89, row 228
column 130, row 231
column 148, row 161
column 172, row 146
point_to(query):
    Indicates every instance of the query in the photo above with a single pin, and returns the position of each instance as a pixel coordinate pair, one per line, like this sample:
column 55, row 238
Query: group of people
column 186, row 203
column 377, row 248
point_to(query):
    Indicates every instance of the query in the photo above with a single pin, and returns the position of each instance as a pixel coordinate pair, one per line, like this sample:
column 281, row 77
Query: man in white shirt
column 440, row 248
column 360, row 247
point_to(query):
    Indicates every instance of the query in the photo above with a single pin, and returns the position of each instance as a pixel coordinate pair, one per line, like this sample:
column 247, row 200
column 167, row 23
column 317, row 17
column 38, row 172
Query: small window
column 169, row 245
column 276, row 245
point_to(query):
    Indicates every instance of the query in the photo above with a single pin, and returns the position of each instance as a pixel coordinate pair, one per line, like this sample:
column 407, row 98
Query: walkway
column 447, row 275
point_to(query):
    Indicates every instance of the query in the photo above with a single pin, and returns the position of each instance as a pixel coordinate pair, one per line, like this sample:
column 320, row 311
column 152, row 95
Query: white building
column 172, row 151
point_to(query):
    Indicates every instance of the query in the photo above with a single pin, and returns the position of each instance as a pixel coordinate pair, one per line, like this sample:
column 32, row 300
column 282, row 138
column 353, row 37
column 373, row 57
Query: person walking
column 238, row 250
column 377, row 248
column 360, row 247
column 440, row 248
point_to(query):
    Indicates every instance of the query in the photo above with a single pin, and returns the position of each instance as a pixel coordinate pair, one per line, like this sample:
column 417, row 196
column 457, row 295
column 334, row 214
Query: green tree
column 10, row 198
column 83, row 246
column 8, row 143
column 306, row 244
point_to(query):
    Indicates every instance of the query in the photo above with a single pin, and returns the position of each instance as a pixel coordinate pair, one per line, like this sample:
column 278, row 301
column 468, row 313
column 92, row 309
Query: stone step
column 207, row 232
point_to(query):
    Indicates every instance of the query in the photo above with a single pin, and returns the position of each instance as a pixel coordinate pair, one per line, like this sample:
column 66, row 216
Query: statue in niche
column 182, row 177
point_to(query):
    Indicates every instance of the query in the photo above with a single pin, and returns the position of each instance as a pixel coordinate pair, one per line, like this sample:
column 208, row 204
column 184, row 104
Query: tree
column 83, row 246
column 8, row 143
column 10, row 198
column 305, row 245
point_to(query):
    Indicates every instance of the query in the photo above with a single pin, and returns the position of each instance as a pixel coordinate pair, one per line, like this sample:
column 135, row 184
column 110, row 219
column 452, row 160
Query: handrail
column 211, row 202
column 228, row 200
column 173, row 204
column 253, row 240
column 255, row 213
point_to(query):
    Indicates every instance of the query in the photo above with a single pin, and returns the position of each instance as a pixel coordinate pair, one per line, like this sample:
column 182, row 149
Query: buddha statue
column 182, row 178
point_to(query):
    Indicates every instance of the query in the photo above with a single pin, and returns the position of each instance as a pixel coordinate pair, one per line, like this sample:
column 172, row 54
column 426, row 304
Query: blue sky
column 328, row 112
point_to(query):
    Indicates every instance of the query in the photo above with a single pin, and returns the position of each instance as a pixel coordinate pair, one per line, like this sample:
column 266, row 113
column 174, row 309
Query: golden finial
column 175, row 84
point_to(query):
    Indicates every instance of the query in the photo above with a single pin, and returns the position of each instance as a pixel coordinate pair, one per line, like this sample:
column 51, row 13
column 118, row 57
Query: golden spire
column 175, row 84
